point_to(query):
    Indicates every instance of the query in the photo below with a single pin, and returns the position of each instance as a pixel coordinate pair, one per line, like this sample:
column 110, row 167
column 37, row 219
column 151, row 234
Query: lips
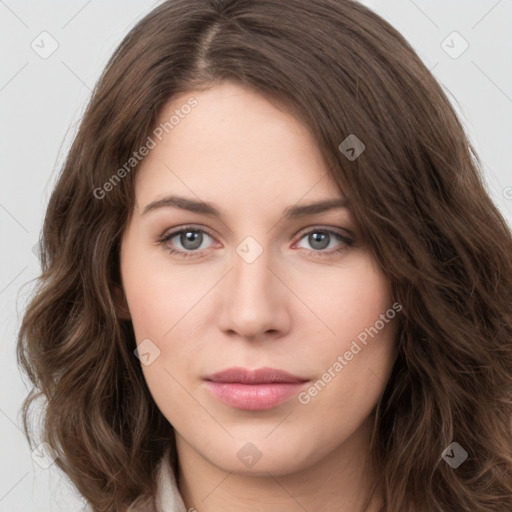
column 258, row 376
column 259, row 389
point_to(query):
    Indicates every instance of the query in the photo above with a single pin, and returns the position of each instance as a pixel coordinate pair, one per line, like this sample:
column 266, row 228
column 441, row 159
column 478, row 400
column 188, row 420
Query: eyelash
column 321, row 253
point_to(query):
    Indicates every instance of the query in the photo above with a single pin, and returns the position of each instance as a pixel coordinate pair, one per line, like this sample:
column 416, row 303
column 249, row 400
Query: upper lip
column 257, row 376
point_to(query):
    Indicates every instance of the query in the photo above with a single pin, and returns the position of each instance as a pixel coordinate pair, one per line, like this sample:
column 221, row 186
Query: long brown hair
column 416, row 191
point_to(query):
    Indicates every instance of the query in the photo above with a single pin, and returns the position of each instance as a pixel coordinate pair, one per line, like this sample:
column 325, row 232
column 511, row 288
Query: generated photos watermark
column 304, row 397
column 137, row 156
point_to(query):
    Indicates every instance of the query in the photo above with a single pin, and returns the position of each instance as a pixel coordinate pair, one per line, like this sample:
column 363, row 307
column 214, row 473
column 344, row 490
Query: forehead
column 233, row 146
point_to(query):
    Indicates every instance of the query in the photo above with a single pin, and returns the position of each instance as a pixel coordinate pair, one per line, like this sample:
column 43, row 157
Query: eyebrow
column 205, row 208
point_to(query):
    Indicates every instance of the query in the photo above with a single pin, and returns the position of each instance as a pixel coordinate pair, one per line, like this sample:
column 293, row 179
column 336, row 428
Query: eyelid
column 176, row 231
column 330, row 229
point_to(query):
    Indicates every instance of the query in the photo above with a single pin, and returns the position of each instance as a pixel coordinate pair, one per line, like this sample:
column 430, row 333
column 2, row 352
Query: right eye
column 190, row 238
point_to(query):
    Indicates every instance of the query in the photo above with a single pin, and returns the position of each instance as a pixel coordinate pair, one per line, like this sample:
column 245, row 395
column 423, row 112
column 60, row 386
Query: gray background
column 42, row 100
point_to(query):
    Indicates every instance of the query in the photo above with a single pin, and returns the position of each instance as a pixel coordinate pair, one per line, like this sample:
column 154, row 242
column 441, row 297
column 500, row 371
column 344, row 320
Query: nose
column 255, row 302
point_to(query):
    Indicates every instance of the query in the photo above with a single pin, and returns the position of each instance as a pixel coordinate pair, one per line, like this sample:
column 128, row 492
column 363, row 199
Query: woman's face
column 263, row 284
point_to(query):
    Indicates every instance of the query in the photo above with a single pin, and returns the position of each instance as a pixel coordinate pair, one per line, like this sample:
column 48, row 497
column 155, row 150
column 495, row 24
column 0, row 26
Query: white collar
column 168, row 497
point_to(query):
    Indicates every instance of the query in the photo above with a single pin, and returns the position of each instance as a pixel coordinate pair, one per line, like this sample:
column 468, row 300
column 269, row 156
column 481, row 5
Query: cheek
column 349, row 384
column 355, row 358
column 163, row 301
column 346, row 301
column 159, row 294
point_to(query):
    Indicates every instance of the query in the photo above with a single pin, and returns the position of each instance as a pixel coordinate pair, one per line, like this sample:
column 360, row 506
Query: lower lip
column 254, row 397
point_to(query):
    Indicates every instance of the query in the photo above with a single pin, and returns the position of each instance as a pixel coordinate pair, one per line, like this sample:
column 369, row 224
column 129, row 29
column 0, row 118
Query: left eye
column 191, row 240
column 320, row 240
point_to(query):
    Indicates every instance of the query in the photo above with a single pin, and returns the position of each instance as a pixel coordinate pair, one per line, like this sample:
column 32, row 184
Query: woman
column 271, row 277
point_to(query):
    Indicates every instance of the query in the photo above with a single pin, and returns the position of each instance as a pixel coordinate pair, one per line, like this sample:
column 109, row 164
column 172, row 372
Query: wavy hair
column 417, row 191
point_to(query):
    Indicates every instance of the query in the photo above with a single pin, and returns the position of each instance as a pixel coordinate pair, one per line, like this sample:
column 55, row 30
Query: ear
column 120, row 302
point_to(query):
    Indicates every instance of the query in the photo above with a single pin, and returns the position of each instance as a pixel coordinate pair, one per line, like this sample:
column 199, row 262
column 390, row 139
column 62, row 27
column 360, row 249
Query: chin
column 262, row 456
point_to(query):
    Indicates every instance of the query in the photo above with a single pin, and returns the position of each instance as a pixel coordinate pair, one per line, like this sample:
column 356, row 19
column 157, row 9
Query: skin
column 291, row 309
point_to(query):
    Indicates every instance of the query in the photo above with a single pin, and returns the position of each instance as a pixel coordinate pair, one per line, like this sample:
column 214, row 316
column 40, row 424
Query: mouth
column 259, row 389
